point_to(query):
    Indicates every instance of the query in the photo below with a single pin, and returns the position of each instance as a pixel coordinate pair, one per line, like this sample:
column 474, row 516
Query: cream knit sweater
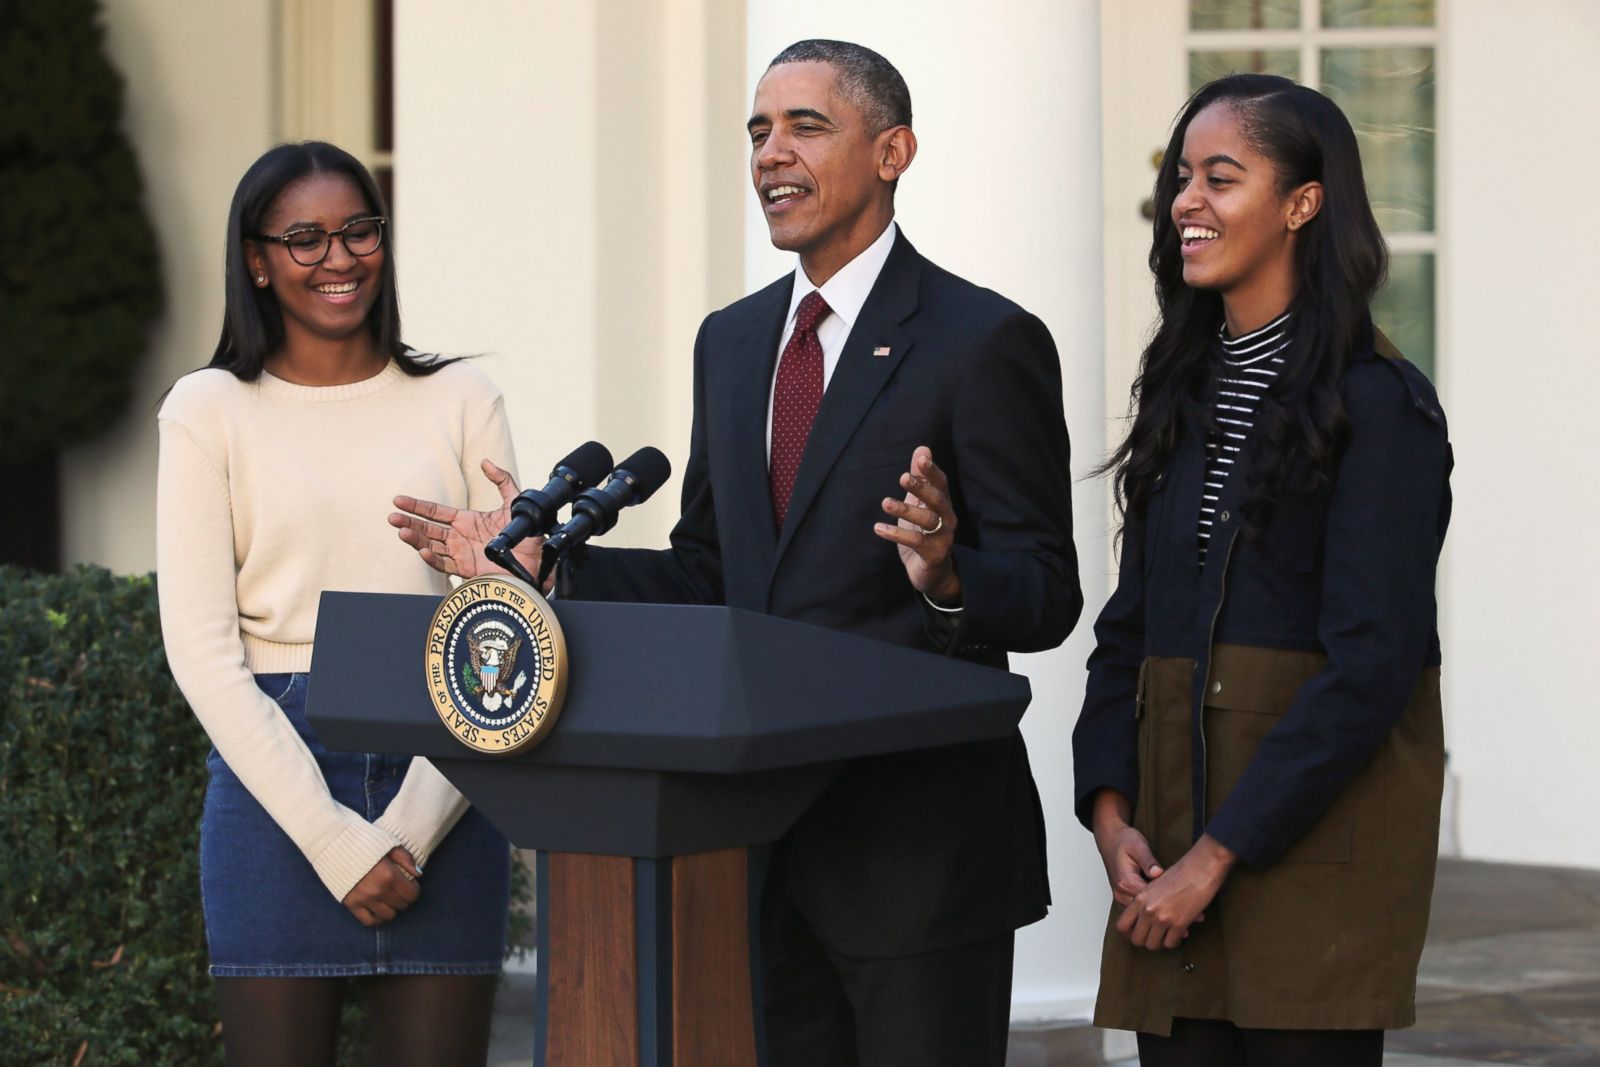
column 271, row 492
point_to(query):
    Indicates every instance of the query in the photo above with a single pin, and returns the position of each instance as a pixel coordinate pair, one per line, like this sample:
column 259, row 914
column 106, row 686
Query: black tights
column 1213, row 1043
column 424, row 1020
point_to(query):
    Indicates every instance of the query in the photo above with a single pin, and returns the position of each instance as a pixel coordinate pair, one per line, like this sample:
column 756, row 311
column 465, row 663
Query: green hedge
column 102, row 771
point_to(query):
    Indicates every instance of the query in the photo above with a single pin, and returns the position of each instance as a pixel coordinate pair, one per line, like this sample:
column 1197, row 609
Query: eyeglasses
column 309, row 247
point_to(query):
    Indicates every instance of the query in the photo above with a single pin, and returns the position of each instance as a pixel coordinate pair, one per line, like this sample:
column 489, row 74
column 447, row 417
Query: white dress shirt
column 845, row 293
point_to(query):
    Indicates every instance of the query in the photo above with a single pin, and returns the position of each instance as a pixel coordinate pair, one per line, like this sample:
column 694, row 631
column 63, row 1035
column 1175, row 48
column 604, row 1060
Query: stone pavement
column 1510, row 976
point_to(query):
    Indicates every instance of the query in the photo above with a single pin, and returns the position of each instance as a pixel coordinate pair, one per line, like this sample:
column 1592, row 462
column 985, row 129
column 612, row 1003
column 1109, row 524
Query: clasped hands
column 452, row 540
column 1159, row 904
column 389, row 888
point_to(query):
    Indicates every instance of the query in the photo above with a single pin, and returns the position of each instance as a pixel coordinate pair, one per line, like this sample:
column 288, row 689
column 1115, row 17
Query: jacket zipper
column 1205, row 687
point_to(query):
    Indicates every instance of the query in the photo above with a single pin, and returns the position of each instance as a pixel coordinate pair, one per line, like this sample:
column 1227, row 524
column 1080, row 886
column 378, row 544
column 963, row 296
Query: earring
column 261, row 279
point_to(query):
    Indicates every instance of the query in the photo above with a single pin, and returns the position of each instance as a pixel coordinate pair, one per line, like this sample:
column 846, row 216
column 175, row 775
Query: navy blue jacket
column 1347, row 572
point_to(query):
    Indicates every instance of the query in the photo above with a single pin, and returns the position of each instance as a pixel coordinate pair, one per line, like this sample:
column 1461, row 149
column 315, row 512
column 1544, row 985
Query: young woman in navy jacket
column 1260, row 755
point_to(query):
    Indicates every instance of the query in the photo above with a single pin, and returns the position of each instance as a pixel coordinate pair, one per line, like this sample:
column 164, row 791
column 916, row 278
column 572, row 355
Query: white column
column 555, row 172
column 1518, row 375
column 495, row 205
column 1005, row 191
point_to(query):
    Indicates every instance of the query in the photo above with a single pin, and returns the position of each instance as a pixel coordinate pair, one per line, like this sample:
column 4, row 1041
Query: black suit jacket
column 927, row 849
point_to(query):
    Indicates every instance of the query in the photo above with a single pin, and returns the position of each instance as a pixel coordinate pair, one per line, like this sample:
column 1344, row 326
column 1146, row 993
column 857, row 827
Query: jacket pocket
column 1242, row 708
column 1233, row 735
column 875, row 456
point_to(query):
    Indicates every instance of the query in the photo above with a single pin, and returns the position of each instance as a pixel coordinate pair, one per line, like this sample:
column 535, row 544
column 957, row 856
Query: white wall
column 495, row 205
column 561, row 205
column 1005, row 191
column 199, row 85
column 1519, row 372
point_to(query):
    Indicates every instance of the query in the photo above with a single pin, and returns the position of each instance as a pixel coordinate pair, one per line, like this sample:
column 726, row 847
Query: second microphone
column 533, row 512
column 595, row 510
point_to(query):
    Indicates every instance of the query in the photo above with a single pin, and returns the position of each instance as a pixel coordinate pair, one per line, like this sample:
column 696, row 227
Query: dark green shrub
column 102, row 771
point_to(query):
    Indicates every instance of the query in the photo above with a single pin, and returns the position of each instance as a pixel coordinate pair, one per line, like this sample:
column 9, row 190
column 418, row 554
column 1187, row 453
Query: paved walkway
column 1510, row 976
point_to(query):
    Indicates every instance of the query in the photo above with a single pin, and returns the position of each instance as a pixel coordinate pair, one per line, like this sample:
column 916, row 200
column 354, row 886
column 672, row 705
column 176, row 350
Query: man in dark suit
column 878, row 447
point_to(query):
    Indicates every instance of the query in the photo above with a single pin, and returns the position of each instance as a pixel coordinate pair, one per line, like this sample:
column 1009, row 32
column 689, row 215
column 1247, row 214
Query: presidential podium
column 688, row 734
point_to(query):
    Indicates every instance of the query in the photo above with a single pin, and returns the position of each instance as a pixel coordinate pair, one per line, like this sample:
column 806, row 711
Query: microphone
column 533, row 512
column 595, row 511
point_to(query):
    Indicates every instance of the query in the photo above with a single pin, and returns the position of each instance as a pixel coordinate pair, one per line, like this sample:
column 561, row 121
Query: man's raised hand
column 925, row 529
column 452, row 540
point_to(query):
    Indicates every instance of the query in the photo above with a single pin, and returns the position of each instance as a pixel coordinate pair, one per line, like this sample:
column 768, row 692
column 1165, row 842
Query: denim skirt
column 267, row 914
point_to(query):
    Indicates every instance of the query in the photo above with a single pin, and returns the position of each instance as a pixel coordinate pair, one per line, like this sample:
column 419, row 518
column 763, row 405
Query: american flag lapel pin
column 881, row 350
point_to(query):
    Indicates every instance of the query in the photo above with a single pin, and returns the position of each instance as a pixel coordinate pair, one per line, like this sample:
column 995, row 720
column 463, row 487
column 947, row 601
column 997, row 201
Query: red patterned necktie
column 795, row 399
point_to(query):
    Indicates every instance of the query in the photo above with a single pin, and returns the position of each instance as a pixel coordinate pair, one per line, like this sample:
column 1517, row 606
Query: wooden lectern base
column 645, row 963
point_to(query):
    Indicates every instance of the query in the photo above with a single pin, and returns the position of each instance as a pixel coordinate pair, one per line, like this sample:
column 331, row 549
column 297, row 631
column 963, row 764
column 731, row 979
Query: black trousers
column 1214, row 1043
column 948, row 1008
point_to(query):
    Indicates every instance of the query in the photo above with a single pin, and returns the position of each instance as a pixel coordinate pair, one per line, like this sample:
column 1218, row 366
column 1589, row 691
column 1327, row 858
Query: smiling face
column 331, row 300
column 825, row 182
column 1237, row 227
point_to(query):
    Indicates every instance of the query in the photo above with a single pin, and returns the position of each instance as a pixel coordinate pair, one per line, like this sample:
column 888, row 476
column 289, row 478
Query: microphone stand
column 547, row 563
column 504, row 557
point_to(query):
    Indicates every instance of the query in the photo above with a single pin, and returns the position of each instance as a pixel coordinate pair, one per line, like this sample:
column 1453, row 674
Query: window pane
column 1207, row 66
column 1342, row 14
column 1244, row 14
column 1387, row 93
column 1404, row 308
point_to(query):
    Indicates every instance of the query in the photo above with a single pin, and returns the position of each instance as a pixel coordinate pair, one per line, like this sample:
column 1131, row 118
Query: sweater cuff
column 424, row 812
column 348, row 857
column 416, row 840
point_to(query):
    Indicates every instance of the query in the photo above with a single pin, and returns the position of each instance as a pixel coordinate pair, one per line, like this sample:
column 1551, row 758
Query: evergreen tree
column 79, row 272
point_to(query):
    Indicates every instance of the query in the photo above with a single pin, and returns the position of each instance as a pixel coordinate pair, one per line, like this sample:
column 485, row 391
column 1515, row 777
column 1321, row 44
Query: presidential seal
column 497, row 664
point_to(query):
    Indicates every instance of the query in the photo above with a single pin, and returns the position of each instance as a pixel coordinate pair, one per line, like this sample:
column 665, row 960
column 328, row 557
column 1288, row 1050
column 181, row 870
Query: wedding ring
column 929, row 531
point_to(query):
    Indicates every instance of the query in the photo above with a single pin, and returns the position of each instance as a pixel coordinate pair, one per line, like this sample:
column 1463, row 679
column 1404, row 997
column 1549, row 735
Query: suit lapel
column 858, row 378
column 748, row 387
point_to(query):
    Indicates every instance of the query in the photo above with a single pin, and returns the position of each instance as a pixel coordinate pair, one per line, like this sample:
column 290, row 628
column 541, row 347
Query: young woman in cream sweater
column 278, row 462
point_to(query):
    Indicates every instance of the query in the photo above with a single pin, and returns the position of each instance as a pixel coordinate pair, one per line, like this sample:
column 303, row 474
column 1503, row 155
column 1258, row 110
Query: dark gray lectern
column 688, row 734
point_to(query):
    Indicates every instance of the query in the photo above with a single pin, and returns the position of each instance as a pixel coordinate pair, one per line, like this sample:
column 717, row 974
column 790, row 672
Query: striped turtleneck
column 1245, row 371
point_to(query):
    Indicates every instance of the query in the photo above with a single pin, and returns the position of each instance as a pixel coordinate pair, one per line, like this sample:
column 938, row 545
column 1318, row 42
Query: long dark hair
column 1341, row 261
column 252, row 323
